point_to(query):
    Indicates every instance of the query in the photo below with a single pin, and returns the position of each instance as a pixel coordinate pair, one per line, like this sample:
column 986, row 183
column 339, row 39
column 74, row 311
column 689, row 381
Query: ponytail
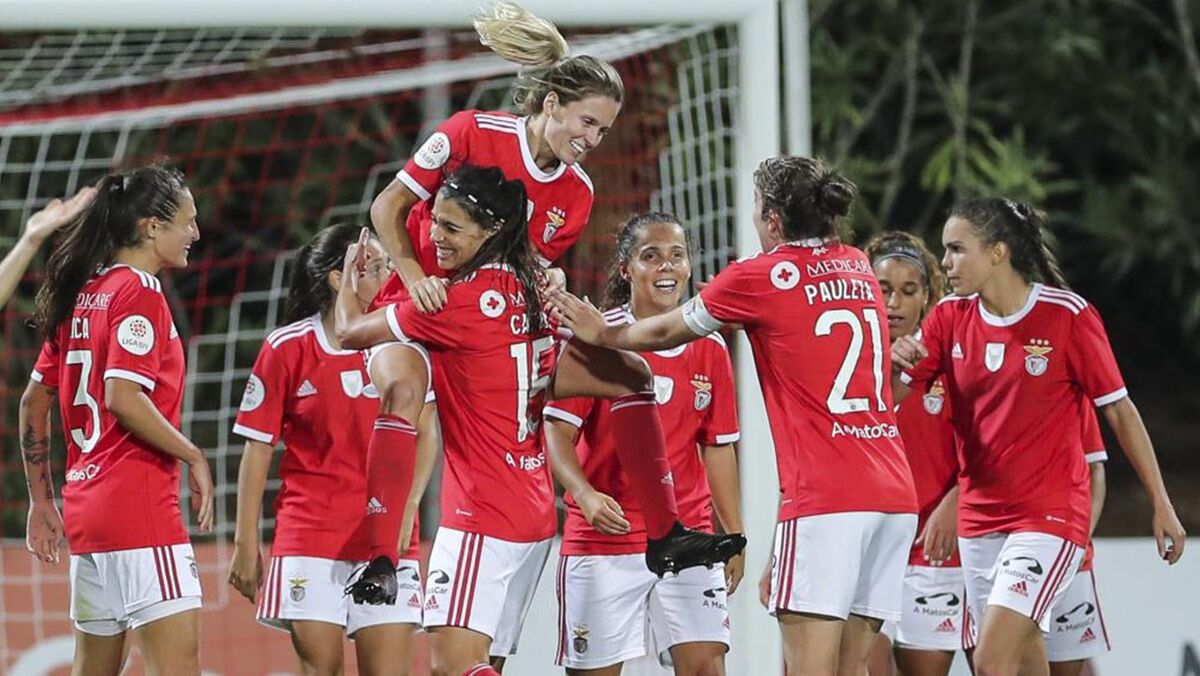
column 107, row 226
column 618, row 290
column 1022, row 228
column 308, row 290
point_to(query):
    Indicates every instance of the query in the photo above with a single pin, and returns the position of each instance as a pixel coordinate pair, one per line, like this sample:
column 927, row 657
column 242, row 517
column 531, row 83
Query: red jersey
column 817, row 324
column 698, row 406
column 1019, row 386
column 319, row 401
column 120, row 492
column 1093, row 451
column 932, row 454
column 490, row 376
column 560, row 201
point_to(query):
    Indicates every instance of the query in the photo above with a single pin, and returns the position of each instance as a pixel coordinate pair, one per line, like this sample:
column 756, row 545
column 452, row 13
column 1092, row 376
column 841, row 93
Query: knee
column 326, row 666
column 400, row 397
column 714, row 666
column 989, row 663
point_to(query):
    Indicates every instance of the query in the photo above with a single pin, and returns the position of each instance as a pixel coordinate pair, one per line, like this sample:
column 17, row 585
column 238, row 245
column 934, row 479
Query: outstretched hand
column 580, row 316
column 56, row 214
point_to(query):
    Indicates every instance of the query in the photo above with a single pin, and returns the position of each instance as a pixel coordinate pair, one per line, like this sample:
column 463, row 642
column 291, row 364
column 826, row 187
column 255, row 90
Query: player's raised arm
column 659, row 332
column 40, row 226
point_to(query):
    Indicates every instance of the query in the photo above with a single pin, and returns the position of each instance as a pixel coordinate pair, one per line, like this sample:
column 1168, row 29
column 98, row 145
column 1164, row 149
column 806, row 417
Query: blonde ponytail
column 520, row 36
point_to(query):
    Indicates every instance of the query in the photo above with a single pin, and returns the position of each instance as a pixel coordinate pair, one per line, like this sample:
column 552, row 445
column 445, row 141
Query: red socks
column 481, row 670
column 391, row 458
column 638, row 436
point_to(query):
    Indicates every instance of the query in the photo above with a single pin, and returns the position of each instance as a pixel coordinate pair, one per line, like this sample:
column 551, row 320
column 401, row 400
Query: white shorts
column 932, row 615
column 842, row 563
column 1024, row 572
column 374, row 351
column 311, row 588
column 611, row 609
column 126, row 589
column 1077, row 630
column 483, row 583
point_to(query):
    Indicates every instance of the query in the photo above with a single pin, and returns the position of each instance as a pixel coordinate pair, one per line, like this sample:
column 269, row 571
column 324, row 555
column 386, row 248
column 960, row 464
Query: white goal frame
column 759, row 136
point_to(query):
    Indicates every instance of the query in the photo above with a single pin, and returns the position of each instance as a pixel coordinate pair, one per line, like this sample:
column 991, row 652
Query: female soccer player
column 492, row 355
column 930, row 629
column 116, row 361
column 1021, row 359
column 568, row 104
column 315, row 396
column 40, row 225
column 604, row 590
column 812, row 309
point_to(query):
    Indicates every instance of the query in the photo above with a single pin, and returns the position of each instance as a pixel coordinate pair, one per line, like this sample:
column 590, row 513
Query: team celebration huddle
column 936, row 422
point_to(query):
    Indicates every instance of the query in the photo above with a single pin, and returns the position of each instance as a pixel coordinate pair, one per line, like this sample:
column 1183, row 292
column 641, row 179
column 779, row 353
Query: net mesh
column 280, row 133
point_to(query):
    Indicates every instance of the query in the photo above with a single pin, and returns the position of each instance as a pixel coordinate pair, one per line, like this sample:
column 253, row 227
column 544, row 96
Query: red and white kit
column 318, row 401
column 606, row 595
column 560, row 201
column 133, row 570
column 816, row 321
column 490, row 374
column 1019, row 386
column 932, row 615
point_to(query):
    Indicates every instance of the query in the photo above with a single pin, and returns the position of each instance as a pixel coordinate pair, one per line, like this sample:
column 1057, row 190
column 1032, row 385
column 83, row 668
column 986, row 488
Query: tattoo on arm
column 34, row 449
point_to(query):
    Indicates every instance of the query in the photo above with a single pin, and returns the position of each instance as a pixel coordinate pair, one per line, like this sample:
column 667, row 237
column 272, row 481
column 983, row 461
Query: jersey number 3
column 79, row 435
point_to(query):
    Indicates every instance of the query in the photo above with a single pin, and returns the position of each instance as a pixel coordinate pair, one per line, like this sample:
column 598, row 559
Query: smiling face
column 172, row 240
column 574, row 129
column 659, row 267
column 969, row 261
column 455, row 234
column 905, row 295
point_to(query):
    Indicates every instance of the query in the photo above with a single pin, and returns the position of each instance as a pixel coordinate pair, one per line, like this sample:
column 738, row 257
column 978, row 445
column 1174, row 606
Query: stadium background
column 1088, row 109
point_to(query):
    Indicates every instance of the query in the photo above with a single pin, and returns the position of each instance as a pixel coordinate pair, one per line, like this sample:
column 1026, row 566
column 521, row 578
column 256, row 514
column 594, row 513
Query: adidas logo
column 306, row 390
column 414, row 601
column 667, row 480
column 956, row 352
column 1019, row 588
column 1088, row 635
column 432, row 603
column 374, row 506
column 947, row 626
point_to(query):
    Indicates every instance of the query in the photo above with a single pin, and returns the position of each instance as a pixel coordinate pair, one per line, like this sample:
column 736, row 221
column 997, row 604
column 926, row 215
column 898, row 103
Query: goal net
column 281, row 132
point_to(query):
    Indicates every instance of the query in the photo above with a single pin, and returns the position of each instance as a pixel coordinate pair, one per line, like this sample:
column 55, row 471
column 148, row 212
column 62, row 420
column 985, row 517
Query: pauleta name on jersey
column 879, row 431
column 839, row 289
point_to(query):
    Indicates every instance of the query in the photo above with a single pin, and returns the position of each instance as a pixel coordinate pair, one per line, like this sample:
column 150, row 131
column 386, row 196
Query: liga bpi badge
column 934, row 399
column 555, row 219
column 993, row 356
column 703, row 391
column 1036, row 361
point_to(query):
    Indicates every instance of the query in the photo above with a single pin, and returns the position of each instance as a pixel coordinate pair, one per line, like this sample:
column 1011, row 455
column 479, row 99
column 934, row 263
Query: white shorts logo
column 664, row 387
column 785, row 275
column 135, row 333
column 491, row 303
column 434, row 152
column 254, row 395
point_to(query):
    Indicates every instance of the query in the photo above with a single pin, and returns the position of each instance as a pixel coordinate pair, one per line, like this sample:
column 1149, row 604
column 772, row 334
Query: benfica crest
column 555, row 218
column 934, row 399
column 297, row 591
column 1036, row 361
column 703, row 388
column 580, row 642
column 993, row 356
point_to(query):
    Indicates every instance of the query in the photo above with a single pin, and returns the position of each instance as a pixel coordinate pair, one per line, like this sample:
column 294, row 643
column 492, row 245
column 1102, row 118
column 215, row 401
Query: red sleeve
column 727, row 299
column 1093, row 442
column 563, row 227
column 1090, row 360
column 721, row 423
column 45, row 370
column 573, row 411
column 447, row 327
column 139, row 332
column 935, row 333
column 446, row 148
column 260, row 415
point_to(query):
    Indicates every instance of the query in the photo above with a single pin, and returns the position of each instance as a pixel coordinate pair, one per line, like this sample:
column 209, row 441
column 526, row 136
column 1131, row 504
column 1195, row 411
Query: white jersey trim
column 730, row 438
column 1096, row 456
column 559, row 414
column 587, row 180
column 285, row 333
column 394, row 324
column 323, row 338
column 1062, row 294
column 535, row 172
column 253, row 434
column 1112, row 397
column 130, row 376
column 905, row 378
column 411, row 183
column 1062, row 302
column 699, row 319
column 36, row 376
column 1012, row 319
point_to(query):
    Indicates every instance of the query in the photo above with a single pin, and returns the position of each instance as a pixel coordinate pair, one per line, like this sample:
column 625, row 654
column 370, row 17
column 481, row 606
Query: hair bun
column 834, row 196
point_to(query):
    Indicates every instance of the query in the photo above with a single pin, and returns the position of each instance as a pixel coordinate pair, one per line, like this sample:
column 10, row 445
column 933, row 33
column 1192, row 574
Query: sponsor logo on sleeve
column 492, row 303
column 785, row 275
column 434, row 152
column 254, row 395
column 135, row 334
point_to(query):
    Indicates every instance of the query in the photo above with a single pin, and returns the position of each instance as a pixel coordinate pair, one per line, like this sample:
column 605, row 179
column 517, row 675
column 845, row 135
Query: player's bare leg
column 171, row 645
column 811, row 643
column 384, row 649
column 699, row 658
column 610, row 670
column 625, row 379
column 1070, row 668
column 858, row 635
column 1004, row 639
column 923, row 662
column 401, row 376
column 454, row 650
column 99, row 655
column 880, row 662
column 318, row 645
